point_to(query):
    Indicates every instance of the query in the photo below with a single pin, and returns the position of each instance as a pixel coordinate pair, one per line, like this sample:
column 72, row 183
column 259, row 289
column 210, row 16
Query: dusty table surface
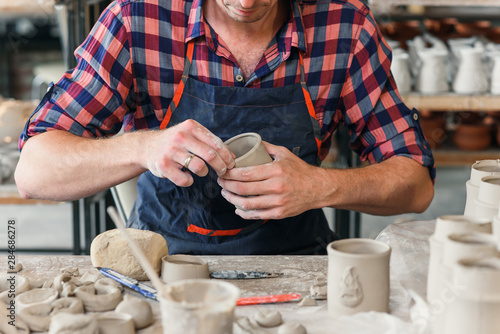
column 408, row 241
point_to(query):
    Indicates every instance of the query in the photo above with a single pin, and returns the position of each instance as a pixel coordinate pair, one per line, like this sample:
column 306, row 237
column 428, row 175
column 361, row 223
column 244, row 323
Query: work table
column 299, row 273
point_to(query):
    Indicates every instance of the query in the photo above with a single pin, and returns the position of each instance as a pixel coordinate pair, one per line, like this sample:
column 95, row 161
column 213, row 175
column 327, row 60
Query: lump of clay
column 19, row 328
column 34, row 297
column 67, row 305
column 268, row 319
column 115, row 323
column 99, row 298
column 319, row 291
column 110, row 250
column 37, row 317
column 139, row 309
column 64, row 323
column 307, row 301
column 11, row 282
column 292, row 328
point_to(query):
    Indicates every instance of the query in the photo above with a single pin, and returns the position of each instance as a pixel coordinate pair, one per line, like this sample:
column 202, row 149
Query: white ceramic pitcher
column 471, row 77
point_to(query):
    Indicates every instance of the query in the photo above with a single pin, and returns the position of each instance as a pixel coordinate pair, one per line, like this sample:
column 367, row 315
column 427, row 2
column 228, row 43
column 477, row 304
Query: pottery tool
column 130, row 282
column 243, row 274
column 272, row 299
column 139, row 254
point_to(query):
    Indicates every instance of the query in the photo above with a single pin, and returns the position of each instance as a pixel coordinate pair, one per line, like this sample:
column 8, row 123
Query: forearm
column 57, row 165
column 397, row 185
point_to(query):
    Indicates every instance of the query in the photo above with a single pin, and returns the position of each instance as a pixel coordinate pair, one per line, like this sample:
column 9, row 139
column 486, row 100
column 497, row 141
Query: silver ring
column 188, row 160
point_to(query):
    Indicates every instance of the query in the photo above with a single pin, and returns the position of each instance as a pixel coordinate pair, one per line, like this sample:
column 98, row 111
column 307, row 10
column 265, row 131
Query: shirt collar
column 295, row 27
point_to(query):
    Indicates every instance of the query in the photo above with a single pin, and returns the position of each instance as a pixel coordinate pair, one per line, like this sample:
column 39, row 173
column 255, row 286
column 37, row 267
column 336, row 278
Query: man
column 204, row 71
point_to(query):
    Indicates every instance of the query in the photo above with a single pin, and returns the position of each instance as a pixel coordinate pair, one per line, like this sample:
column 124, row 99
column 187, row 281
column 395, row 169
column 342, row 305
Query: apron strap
column 180, row 89
column 310, row 107
column 220, row 233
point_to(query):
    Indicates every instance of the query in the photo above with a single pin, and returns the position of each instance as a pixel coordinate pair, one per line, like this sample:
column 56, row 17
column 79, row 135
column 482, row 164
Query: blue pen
column 130, row 282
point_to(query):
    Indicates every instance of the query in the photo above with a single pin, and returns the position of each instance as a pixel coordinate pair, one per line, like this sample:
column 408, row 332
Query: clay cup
column 358, row 276
column 198, row 307
column 248, row 149
column 180, row 267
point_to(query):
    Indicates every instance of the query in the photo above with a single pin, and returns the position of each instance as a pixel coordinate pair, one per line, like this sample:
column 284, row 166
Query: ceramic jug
column 433, row 77
column 495, row 75
column 401, row 71
column 471, row 77
column 479, row 170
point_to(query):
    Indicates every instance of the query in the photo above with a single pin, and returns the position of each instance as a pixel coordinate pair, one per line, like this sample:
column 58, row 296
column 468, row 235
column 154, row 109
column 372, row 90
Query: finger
column 261, row 187
column 216, row 144
column 249, row 203
column 196, row 165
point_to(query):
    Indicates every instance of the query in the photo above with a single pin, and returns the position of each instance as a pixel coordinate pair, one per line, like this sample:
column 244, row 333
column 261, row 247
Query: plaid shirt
column 131, row 64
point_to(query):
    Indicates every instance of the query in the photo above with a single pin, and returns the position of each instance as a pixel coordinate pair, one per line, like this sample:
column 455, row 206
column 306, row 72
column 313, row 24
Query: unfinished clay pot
column 198, row 307
column 479, row 170
column 99, row 297
column 35, row 297
column 477, row 304
column 358, row 276
column 248, row 149
column 64, row 323
column 19, row 284
column 179, row 267
column 115, row 323
column 139, row 309
column 487, row 202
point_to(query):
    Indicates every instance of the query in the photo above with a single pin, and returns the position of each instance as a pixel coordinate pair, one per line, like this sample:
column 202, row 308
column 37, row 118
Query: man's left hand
column 276, row 190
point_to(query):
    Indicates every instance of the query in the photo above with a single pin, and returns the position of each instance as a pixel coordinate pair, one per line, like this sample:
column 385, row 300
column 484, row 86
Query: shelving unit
column 453, row 102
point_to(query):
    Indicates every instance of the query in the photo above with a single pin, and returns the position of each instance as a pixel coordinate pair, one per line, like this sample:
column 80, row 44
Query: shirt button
column 239, row 78
column 415, row 116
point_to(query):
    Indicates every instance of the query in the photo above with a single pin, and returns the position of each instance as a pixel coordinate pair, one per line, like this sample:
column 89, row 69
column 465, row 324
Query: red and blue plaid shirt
column 131, row 64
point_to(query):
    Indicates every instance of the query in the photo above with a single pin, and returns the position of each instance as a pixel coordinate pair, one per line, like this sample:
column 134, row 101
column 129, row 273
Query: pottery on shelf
column 471, row 77
column 432, row 77
column 476, row 305
column 434, row 129
column 472, row 137
column 495, row 75
column 401, row 71
column 178, row 267
column 198, row 307
column 358, row 276
column 248, row 149
column 479, row 170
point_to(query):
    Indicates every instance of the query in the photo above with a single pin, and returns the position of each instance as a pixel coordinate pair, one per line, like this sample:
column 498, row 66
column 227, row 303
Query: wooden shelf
column 473, row 3
column 453, row 102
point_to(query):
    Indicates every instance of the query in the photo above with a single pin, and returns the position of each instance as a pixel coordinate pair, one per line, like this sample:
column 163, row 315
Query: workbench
column 408, row 270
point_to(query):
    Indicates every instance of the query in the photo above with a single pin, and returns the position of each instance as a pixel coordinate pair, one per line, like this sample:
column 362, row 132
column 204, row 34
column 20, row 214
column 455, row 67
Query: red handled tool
column 291, row 297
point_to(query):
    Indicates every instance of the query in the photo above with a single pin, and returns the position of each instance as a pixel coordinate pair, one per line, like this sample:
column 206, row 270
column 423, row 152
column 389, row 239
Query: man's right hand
column 168, row 150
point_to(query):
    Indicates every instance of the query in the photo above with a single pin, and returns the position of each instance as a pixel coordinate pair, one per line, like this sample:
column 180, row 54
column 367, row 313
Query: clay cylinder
column 476, row 305
column 198, row 307
column 179, row 267
column 248, row 149
column 358, row 276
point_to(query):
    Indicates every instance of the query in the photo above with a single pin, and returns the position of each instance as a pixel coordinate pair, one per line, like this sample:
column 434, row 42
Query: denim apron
column 197, row 219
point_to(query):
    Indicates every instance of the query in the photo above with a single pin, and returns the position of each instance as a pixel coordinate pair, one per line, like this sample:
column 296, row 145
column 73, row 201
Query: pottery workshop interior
column 250, row 166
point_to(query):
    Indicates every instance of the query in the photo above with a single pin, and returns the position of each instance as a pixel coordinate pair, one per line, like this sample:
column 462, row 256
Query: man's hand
column 168, row 150
column 283, row 188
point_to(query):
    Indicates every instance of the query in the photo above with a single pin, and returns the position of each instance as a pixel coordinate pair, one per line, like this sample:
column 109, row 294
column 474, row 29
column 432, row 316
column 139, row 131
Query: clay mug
column 358, row 276
column 479, row 170
column 248, row 149
column 179, row 267
column 198, row 307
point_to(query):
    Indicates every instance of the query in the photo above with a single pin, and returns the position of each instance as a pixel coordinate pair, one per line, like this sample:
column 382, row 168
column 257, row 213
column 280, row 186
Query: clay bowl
column 180, row 267
column 434, row 130
column 472, row 137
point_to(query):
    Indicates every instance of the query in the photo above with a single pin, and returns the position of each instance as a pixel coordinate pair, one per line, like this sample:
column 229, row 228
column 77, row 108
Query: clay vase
column 198, row 307
column 486, row 204
column 358, row 276
column 433, row 77
column 476, row 303
column 180, row 267
column 479, row 170
column 471, row 77
column 248, row 149
column 445, row 226
column 472, row 137
column 434, row 129
column 401, row 72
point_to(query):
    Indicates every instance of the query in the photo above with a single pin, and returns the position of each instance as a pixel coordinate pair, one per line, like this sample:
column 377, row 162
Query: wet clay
column 100, row 297
column 319, row 291
column 67, row 305
column 292, row 328
column 244, row 325
column 307, row 301
column 115, row 323
column 37, row 317
column 139, row 309
column 21, row 282
column 20, row 326
column 64, row 323
column 110, row 250
column 179, row 267
column 268, row 319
